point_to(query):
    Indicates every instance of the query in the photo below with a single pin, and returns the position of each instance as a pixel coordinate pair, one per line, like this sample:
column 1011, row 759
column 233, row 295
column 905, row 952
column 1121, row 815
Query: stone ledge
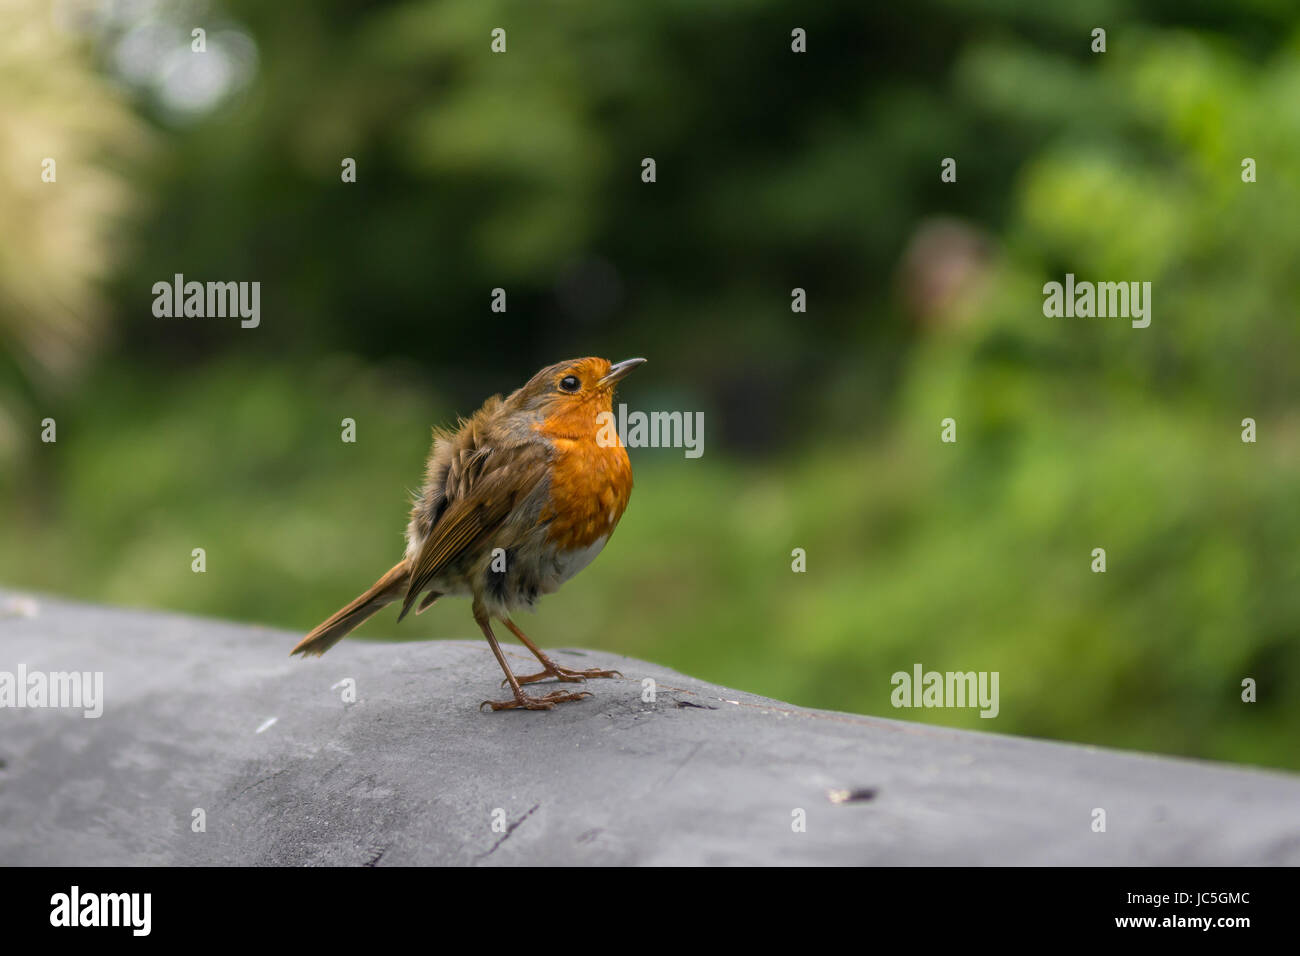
column 412, row 771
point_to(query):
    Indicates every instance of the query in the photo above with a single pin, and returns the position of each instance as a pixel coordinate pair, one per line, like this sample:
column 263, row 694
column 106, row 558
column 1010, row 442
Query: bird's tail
column 346, row 619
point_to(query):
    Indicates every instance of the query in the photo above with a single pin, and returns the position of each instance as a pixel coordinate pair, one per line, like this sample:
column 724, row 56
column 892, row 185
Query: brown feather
column 484, row 495
column 349, row 617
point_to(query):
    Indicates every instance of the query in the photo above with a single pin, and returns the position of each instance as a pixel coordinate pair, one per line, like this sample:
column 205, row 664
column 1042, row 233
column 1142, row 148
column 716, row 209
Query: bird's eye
column 570, row 383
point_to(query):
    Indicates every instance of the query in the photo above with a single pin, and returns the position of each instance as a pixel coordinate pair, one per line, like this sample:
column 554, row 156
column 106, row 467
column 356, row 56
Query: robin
column 517, row 500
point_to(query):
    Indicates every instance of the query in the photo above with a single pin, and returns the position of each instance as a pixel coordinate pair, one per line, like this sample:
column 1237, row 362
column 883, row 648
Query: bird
column 516, row 500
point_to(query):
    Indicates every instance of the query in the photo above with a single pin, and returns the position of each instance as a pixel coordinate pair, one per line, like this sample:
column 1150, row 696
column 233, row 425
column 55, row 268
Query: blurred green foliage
column 775, row 170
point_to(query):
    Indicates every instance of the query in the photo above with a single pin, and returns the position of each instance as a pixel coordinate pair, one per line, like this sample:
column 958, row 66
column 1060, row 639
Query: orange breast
column 590, row 486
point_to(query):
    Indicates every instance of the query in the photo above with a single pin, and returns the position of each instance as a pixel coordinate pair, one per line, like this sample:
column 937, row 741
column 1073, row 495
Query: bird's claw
column 523, row 701
column 566, row 674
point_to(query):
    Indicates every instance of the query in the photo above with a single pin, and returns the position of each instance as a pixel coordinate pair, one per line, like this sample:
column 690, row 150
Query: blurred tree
column 521, row 170
column 64, row 135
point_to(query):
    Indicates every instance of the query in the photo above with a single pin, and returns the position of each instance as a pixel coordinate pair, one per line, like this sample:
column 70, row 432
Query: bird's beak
column 618, row 372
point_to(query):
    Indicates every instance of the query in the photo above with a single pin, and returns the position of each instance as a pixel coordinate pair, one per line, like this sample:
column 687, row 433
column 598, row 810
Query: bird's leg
column 521, row 699
column 552, row 669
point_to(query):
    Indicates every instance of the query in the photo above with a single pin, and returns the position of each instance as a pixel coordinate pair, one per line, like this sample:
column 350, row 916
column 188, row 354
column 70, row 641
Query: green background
column 775, row 170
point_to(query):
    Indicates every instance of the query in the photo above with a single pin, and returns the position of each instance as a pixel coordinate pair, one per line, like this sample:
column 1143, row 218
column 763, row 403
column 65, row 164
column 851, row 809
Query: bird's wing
column 478, row 503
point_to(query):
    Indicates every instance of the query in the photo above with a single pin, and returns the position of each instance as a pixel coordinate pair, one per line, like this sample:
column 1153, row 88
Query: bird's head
column 568, row 396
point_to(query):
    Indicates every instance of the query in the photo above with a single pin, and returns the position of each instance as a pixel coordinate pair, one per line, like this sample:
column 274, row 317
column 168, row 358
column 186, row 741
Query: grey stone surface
column 412, row 771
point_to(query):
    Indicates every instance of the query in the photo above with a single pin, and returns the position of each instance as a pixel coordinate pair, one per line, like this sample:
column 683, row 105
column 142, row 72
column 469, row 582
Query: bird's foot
column 523, row 701
column 566, row 674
